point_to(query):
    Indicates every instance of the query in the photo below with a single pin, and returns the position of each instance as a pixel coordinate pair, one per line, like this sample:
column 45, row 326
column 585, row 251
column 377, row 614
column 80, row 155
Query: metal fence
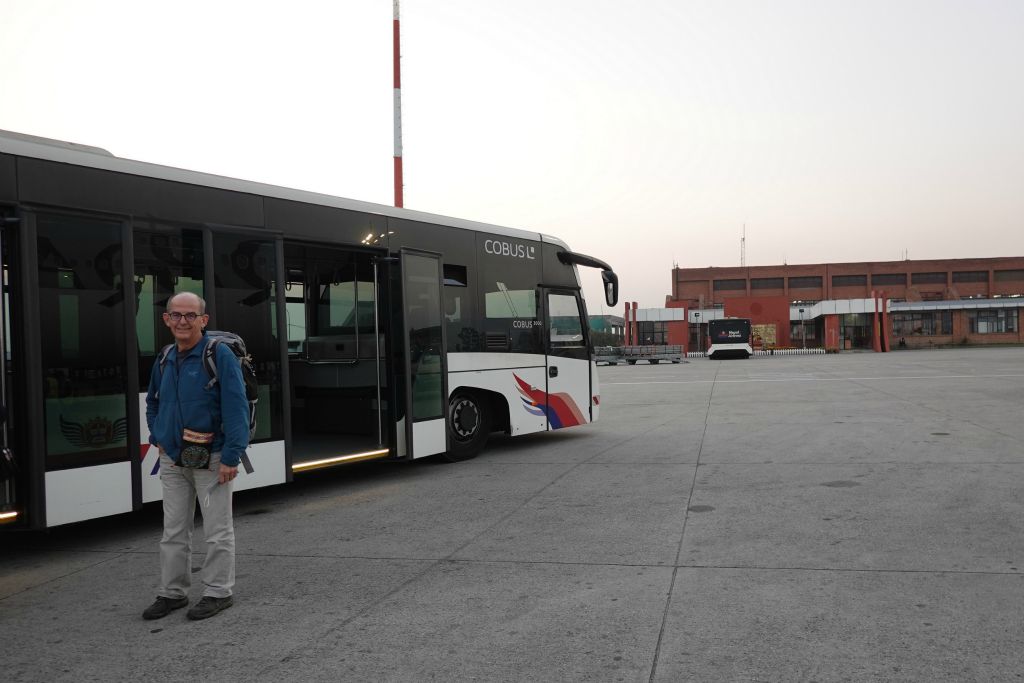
column 767, row 352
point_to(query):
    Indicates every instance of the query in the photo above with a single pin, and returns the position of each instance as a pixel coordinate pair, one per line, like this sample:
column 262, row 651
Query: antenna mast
column 743, row 246
column 398, row 112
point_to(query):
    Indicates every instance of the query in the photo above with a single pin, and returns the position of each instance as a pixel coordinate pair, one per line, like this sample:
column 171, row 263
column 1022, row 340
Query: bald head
column 187, row 297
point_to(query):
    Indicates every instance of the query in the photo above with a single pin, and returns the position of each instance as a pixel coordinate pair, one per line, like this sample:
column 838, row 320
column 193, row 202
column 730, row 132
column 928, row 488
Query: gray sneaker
column 208, row 606
column 164, row 606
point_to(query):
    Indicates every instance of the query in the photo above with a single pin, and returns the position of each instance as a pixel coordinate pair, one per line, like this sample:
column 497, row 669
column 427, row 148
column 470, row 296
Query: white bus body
column 376, row 332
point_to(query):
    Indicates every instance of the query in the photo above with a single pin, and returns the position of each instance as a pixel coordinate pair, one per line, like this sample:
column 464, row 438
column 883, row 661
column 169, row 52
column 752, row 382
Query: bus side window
column 455, row 280
column 458, row 311
column 82, row 342
column 453, row 309
column 295, row 311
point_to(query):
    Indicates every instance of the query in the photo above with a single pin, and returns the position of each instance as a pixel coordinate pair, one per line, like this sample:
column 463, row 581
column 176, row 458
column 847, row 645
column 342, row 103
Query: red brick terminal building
column 930, row 302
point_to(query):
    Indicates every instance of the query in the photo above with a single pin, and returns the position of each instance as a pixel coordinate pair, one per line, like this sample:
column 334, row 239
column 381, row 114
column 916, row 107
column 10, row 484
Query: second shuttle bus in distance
column 375, row 332
column 730, row 338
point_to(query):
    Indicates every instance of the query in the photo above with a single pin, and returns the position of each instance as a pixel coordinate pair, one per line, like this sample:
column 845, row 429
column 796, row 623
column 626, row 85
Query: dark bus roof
column 31, row 146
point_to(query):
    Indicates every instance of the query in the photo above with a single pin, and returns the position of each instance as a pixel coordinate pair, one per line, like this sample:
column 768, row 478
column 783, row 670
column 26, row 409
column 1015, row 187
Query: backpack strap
column 162, row 363
column 246, row 463
column 210, row 361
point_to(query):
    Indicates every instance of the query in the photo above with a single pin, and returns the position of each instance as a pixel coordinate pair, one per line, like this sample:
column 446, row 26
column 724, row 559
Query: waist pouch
column 195, row 449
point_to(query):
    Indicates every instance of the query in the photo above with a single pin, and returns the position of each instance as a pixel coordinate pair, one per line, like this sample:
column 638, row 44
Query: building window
column 652, row 332
column 730, row 285
column 1008, row 275
column 766, row 283
column 849, row 280
column 924, row 323
column 970, row 276
column 992, row 321
column 806, row 282
column 798, row 333
column 927, row 278
column 889, row 279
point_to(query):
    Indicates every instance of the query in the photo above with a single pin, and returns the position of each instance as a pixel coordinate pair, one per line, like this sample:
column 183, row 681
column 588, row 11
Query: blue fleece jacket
column 185, row 403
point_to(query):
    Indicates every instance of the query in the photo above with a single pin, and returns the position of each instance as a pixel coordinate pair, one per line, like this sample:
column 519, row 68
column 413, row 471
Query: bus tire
column 469, row 425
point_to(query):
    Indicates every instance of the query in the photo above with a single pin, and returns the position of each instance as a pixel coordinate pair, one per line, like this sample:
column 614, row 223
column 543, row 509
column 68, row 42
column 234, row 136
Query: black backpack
column 252, row 387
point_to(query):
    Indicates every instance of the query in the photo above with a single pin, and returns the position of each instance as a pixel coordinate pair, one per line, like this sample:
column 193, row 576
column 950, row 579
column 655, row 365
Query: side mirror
column 611, row 287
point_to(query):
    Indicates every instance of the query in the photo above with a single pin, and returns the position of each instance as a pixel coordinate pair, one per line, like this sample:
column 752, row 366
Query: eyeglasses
column 190, row 317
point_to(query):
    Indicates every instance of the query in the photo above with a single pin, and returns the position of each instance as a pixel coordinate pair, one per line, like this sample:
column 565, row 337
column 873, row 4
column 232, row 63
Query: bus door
column 568, row 359
column 8, row 463
column 73, row 342
column 336, row 355
column 426, row 388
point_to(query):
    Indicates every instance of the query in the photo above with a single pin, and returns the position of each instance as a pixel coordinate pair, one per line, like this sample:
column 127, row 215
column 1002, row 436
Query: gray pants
column 182, row 486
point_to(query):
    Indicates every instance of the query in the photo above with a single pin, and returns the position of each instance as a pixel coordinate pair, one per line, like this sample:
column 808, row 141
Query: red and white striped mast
column 398, row 112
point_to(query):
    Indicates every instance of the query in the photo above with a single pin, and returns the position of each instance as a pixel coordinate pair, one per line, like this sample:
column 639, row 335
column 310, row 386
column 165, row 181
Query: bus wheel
column 469, row 425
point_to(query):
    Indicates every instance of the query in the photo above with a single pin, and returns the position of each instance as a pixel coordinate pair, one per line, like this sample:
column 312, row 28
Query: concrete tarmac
column 853, row 517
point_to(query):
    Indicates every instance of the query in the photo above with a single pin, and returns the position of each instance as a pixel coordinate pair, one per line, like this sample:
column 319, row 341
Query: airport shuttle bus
column 375, row 332
column 730, row 338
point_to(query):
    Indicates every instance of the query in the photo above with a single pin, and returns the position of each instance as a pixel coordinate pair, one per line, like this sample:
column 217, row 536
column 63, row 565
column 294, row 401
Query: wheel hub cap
column 465, row 418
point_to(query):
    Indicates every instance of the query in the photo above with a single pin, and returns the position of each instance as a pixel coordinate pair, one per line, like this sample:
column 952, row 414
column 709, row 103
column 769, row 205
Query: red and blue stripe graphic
column 144, row 448
column 559, row 408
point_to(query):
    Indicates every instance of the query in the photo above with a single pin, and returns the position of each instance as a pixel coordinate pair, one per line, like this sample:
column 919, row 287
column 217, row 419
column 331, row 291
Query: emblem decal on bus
column 559, row 408
column 95, row 433
column 502, row 248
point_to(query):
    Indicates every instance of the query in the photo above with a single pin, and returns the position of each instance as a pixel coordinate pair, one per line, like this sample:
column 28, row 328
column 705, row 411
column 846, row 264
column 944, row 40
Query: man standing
column 201, row 429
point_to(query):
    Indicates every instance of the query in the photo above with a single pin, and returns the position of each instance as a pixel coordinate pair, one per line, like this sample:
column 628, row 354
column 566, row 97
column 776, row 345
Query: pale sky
column 644, row 133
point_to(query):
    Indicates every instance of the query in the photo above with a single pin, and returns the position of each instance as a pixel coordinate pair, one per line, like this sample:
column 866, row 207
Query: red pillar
column 885, row 323
column 876, row 332
column 627, row 328
column 636, row 327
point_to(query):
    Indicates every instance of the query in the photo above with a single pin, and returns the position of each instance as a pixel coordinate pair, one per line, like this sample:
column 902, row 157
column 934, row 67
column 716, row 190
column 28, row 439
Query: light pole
column 803, row 330
column 700, row 340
